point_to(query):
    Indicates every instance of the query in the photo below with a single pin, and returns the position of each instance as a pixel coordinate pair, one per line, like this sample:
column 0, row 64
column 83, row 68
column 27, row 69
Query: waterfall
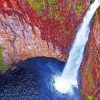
column 69, row 78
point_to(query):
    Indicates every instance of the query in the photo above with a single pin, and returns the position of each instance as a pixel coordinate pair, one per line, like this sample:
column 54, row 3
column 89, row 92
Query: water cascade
column 69, row 78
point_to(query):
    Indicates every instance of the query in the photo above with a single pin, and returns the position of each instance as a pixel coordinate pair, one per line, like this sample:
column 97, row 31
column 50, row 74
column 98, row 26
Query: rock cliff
column 30, row 28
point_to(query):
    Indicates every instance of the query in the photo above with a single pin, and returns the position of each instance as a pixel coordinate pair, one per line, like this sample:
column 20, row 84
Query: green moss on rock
column 90, row 98
column 82, row 91
column 97, row 15
column 1, row 57
column 79, row 8
column 36, row 4
column 51, row 1
column 2, row 65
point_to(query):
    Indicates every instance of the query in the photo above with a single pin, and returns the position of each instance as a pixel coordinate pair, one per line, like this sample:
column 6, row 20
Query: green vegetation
column 97, row 15
column 2, row 65
column 36, row 4
column 90, row 98
column 1, row 57
column 82, row 92
column 79, row 8
column 30, row 2
column 51, row 1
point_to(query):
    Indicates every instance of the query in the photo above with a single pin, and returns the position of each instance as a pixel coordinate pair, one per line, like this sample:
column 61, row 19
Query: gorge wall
column 30, row 28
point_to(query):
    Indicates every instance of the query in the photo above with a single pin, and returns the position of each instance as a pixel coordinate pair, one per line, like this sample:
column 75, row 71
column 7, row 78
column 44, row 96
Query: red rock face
column 49, row 30
column 22, row 38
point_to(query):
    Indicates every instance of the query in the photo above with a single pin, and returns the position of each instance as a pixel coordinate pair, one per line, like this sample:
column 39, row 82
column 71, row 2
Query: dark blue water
column 33, row 80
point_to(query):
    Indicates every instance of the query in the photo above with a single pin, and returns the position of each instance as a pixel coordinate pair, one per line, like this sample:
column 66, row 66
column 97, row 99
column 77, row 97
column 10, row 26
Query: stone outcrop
column 20, row 42
column 47, row 28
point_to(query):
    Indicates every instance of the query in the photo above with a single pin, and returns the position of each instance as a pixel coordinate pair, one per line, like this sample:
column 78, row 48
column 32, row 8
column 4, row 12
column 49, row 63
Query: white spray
column 68, row 79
